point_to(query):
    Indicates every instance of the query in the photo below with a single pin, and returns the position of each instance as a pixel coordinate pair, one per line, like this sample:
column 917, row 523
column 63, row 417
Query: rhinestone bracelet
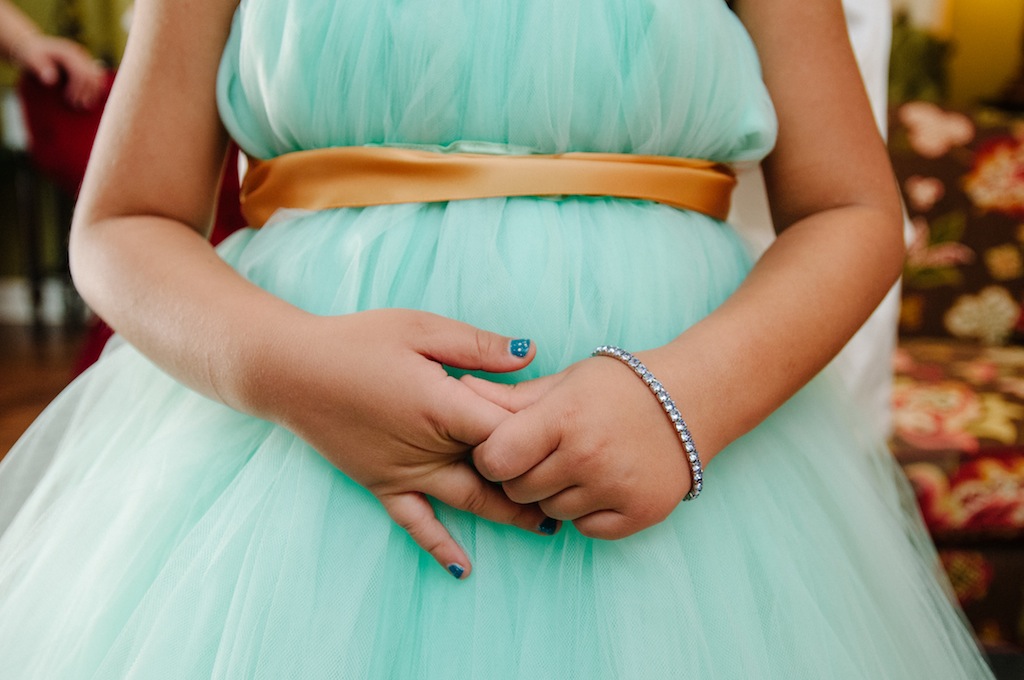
column 696, row 473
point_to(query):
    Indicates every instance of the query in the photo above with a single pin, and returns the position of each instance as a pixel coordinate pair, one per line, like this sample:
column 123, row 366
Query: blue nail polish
column 548, row 526
column 519, row 347
column 456, row 570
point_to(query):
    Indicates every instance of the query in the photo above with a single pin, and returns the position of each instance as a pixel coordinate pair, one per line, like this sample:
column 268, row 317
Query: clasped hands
column 588, row 445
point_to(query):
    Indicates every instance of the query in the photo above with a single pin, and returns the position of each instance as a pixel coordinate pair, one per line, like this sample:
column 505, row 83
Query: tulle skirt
column 150, row 533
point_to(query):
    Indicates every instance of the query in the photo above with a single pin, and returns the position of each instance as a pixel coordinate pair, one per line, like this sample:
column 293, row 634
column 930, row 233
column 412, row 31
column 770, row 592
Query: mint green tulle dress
column 150, row 533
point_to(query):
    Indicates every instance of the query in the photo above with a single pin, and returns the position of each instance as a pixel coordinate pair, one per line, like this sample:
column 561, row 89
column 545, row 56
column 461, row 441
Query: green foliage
column 947, row 228
column 932, row 277
column 918, row 65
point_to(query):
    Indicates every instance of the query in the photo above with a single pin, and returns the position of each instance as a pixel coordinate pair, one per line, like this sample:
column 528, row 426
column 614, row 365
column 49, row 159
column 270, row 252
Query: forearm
column 800, row 304
column 138, row 254
column 836, row 204
column 16, row 31
column 163, row 287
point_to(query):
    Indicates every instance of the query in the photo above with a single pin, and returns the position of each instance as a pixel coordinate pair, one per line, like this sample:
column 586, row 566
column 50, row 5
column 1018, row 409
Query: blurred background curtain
column 100, row 25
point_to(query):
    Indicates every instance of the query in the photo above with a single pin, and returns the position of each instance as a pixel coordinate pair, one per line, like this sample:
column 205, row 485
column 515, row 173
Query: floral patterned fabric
column 963, row 183
column 958, row 411
column 958, row 397
column 953, row 397
column 989, row 584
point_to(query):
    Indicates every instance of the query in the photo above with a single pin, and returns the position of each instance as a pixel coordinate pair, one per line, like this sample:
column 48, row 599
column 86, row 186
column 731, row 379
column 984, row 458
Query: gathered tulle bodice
column 664, row 77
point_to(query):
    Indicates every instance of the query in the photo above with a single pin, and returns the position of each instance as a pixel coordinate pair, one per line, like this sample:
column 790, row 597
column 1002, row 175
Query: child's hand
column 49, row 57
column 590, row 444
column 369, row 392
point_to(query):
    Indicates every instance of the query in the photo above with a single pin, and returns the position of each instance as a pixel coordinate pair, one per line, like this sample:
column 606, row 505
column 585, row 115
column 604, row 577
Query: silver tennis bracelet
column 669, row 406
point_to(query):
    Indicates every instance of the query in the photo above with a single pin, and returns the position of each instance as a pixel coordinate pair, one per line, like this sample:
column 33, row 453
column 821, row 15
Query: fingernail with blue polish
column 519, row 347
column 548, row 526
column 456, row 570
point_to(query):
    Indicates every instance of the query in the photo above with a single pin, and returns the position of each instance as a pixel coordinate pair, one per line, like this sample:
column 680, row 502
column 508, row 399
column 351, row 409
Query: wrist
column 688, row 376
column 668, row 405
column 257, row 372
column 20, row 48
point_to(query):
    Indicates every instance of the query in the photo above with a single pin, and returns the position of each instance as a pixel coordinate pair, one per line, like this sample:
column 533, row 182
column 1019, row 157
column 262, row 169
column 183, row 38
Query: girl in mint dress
column 262, row 479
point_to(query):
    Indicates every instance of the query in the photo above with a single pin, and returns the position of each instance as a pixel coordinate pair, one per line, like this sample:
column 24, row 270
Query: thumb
column 461, row 345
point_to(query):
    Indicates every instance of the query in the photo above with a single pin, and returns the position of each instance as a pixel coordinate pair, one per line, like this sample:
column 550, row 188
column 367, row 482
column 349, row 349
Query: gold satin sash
column 359, row 176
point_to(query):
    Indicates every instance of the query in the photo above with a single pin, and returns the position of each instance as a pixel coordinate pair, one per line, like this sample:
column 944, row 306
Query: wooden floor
column 33, row 369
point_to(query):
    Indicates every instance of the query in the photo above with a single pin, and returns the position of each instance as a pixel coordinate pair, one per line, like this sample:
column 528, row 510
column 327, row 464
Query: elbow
column 878, row 229
column 89, row 255
column 92, row 256
column 898, row 251
column 891, row 221
column 78, row 259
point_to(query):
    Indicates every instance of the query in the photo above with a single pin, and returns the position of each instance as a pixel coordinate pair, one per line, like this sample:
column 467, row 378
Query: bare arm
column 15, row 30
column 835, row 202
column 137, row 241
column 836, row 205
column 140, row 259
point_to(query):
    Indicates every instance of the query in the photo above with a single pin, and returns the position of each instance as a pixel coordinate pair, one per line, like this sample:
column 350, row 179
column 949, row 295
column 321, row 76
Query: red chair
column 60, row 136
column 60, row 141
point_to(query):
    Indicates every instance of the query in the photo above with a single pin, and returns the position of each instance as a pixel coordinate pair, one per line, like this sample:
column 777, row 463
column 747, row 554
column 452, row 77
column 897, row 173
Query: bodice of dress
column 663, row 77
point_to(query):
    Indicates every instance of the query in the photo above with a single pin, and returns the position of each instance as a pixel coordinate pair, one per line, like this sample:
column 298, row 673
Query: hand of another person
column 48, row 57
column 370, row 393
column 590, row 444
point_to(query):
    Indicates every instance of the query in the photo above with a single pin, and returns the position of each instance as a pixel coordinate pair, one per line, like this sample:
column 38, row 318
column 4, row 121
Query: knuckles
column 493, row 463
column 605, row 531
column 516, row 493
column 484, row 342
column 624, row 523
column 476, row 500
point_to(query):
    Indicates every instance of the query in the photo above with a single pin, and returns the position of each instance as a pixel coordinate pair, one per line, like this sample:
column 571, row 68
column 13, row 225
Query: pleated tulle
column 167, row 536
column 652, row 77
column 149, row 533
